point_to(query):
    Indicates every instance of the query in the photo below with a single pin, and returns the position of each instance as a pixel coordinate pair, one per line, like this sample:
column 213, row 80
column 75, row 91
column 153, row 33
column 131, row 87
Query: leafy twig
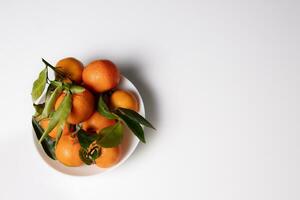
column 54, row 69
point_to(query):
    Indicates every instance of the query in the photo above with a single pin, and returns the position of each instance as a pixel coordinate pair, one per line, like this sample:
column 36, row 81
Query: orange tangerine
column 67, row 151
column 124, row 99
column 108, row 157
column 72, row 68
column 101, row 75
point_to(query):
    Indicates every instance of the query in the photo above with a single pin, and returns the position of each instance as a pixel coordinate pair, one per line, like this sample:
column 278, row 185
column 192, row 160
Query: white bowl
column 128, row 145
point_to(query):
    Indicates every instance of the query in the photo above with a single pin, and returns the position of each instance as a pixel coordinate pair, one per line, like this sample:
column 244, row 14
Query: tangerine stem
column 53, row 68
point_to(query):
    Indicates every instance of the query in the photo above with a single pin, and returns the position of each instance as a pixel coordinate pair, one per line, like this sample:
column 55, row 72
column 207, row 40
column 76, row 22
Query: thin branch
column 54, row 69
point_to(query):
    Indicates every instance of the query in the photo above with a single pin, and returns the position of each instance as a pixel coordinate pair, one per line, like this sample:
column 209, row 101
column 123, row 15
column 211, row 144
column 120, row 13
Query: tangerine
column 67, row 151
column 71, row 68
column 101, row 75
column 108, row 157
column 124, row 99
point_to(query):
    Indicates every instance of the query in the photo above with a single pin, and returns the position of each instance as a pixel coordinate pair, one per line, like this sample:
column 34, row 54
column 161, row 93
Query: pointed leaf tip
column 136, row 117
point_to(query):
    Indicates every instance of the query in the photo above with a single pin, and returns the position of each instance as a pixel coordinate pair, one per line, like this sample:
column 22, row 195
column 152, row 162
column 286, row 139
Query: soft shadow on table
column 133, row 71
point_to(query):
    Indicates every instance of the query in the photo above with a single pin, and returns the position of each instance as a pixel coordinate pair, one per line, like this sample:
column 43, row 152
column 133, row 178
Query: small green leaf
column 76, row 89
column 59, row 115
column 57, row 83
column 83, row 154
column 136, row 117
column 38, row 109
column 111, row 136
column 50, row 102
column 85, row 139
column 134, row 126
column 47, row 143
column 103, row 109
column 39, row 85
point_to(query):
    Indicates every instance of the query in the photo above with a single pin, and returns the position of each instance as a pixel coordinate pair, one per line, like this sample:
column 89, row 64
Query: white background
column 220, row 80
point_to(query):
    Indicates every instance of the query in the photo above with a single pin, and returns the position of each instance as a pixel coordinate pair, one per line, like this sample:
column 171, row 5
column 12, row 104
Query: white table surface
column 220, row 80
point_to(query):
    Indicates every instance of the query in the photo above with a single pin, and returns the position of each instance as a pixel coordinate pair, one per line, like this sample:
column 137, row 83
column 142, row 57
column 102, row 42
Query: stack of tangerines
column 82, row 118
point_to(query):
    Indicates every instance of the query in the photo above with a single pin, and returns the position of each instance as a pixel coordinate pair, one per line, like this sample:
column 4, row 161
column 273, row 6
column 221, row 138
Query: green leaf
column 47, row 143
column 59, row 115
column 111, row 136
column 39, row 85
column 60, row 128
column 85, row 139
column 84, row 156
column 56, row 83
column 103, row 109
column 50, row 102
column 38, row 109
column 134, row 126
column 136, row 117
column 76, row 89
